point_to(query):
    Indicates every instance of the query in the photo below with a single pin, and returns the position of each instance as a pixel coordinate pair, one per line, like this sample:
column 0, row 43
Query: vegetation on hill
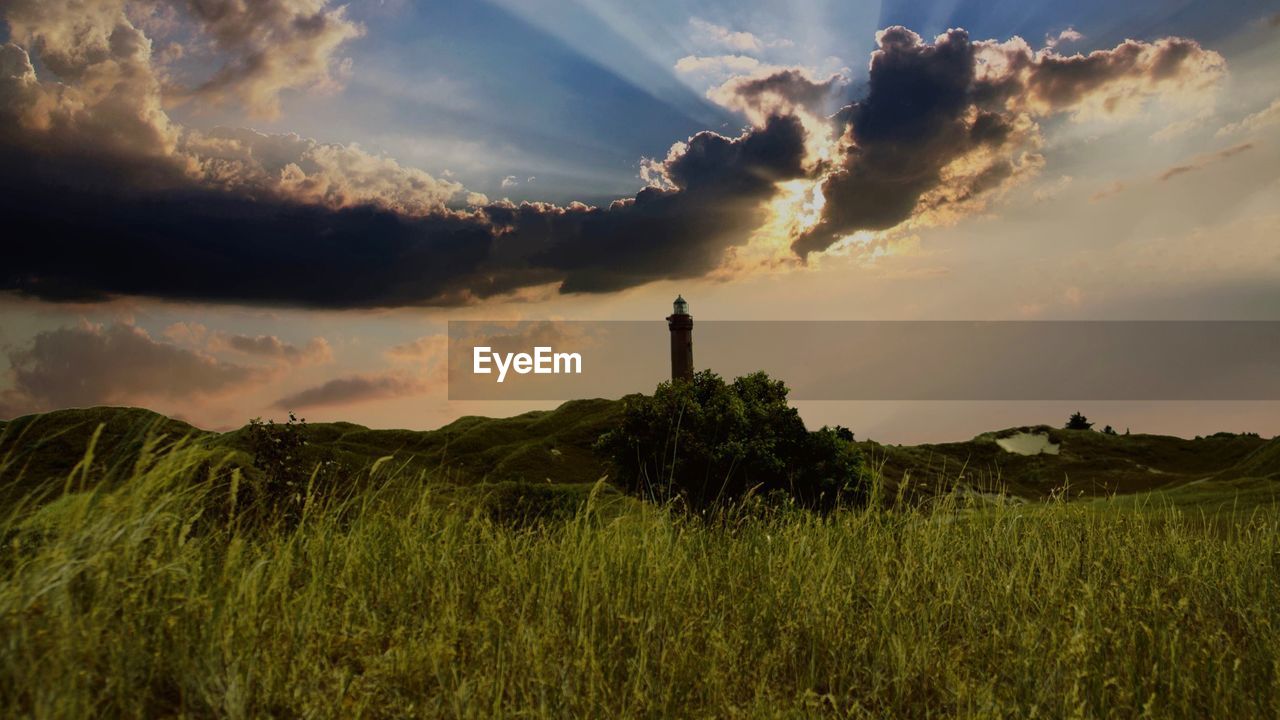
column 706, row 442
column 409, row 599
column 1078, row 421
column 149, row 568
column 1088, row 463
column 39, row 452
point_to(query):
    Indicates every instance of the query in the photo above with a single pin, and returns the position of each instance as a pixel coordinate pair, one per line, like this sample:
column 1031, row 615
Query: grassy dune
column 540, row 446
column 150, row 596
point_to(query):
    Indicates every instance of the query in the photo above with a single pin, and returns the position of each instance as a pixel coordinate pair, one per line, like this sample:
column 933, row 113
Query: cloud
column 1204, row 161
column 186, row 333
column 1179, row 128
column 106, row 196
column 274, row 45
column 1051, row 190
column 95, row 365
column 351, row 390
column 1113, row 82
column 110, row 198
column 427, row 356
column 716, row 64
column 256, row 50
column 508, row 337
column 423, row 349
column 193, row 242
column 1115, row 188
column 713, row 34
column 713, row 195
column 1197, row 163
column 106, row 101
column 293, row 168
column 203, row 245
column 1070, row 35
column 777, row 91
column 743, row 56
column 317, row 350
column 947, row 124
column 1254, row 122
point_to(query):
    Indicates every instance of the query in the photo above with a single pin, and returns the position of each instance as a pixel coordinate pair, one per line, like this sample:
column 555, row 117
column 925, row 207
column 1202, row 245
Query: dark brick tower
column 680, row 323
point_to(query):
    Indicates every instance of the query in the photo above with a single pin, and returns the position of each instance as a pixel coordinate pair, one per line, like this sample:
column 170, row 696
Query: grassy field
column 151, row 596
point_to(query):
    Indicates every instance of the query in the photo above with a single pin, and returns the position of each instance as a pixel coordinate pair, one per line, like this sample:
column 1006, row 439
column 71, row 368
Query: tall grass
column 146, row 598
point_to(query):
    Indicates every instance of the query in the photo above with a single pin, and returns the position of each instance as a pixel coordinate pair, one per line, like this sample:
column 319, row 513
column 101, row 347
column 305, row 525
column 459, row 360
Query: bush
column 706, row 441
column 277, row 454
column 288, row 475
column 1078, row 422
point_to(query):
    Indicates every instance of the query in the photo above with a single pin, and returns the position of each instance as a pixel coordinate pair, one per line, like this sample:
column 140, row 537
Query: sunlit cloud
column 1070, row 35
column 716, row 65
column 738, row 40
column 1269, row 115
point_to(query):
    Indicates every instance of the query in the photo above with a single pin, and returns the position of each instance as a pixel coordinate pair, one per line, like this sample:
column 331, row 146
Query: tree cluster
column 706, row 442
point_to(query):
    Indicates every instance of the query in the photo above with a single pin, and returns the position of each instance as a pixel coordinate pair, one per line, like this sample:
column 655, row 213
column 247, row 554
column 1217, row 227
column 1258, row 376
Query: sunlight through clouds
column 278, row 234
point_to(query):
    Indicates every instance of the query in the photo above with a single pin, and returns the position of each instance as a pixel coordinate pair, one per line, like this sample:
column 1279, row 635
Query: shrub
column 289, row 476
column 277, row 452
column 1078, row 422
column 706, row 441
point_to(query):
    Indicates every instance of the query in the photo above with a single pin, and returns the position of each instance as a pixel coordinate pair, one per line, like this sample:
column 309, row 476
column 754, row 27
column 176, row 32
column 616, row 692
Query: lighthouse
column 680, row 323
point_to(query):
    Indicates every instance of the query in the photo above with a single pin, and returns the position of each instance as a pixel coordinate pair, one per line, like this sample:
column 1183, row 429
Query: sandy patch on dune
column 1028, row 444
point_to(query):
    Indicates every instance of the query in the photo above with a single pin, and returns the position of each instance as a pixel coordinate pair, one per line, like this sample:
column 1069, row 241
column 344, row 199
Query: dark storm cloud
column 104, row 195
column 791, row 84
column 76, row 241
column 719, row 186
column 945, row 121
column 204, row 245
column 909, row 126
column 91, row 365
column 349, row 390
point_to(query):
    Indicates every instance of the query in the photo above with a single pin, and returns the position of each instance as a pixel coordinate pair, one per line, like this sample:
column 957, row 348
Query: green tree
column 1078, row 422
column 706, row 441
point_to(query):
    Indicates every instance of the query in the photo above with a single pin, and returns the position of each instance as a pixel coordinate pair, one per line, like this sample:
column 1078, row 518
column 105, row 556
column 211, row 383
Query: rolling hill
column 1082, row 462
column 555, row 446
column 40, row 451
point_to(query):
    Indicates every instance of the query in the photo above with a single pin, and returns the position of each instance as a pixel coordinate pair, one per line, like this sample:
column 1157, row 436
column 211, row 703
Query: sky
column 222, row 209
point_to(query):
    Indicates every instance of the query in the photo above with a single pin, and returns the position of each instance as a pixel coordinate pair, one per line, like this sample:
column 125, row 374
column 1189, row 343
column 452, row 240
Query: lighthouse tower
column 680, row 322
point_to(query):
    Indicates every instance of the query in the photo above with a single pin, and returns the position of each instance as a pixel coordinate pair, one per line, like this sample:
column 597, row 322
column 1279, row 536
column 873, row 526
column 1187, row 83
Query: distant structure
column 680, row 322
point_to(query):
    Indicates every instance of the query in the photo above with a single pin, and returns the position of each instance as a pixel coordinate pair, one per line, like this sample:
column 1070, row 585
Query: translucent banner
column 873, row 360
